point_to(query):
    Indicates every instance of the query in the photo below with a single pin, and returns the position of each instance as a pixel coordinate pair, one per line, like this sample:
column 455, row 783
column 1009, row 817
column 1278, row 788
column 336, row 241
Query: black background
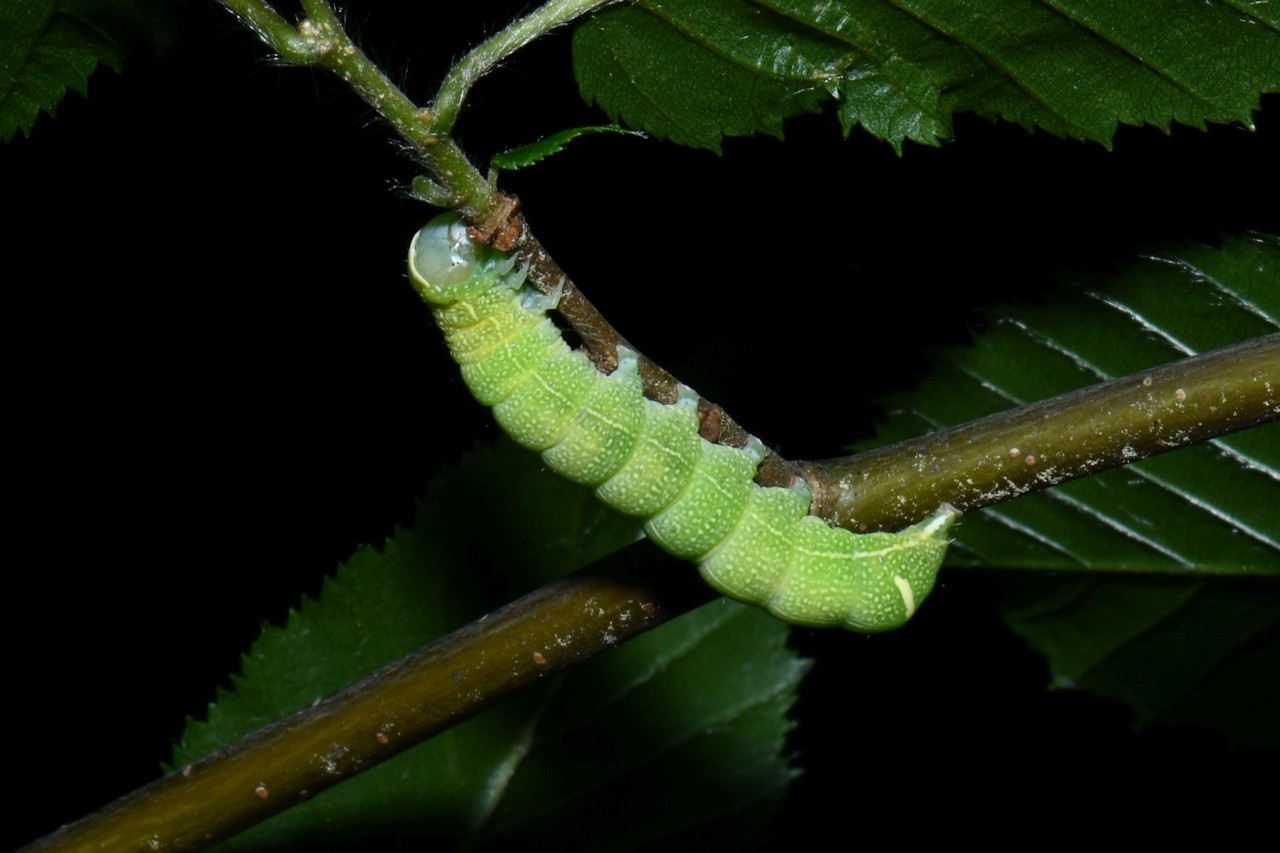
column 220, row 384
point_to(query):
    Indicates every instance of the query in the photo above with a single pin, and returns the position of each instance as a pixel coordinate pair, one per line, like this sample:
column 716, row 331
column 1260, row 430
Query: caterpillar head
column 446, row 265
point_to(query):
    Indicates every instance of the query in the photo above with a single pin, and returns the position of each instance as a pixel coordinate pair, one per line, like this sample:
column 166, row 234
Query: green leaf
column 534, row 152
column 695, row 710
column 695, row 71
column 1161, row 641
column 646, row 72
column 665, row 706
column 1207, row 508
column 1176, row 651
column 48, row 47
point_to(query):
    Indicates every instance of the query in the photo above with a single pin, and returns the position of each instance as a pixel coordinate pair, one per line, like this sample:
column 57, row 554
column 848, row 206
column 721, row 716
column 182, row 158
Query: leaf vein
column 1205, row 506
column 989, row 58
column 1244, row 459
column 1145, row 324
column 1119, row 526
column 1053, row 345
column 1034, row 535
column 1110, row 40
column 1200, row 274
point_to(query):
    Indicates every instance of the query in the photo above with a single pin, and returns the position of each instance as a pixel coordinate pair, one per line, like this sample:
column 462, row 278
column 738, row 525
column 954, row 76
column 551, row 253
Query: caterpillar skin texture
column 699, row 500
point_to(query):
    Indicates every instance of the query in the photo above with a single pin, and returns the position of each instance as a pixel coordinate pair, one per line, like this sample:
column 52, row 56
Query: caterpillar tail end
column 904, row 572
column 937, row 526
column 868, row 582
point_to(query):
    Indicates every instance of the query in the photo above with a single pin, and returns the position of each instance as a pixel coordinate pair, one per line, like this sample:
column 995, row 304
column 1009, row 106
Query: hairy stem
column 477, row 63
column 319, row 40
column 278, row 33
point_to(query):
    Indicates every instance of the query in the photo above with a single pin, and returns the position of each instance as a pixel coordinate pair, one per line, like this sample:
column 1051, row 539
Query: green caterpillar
column 699, row 500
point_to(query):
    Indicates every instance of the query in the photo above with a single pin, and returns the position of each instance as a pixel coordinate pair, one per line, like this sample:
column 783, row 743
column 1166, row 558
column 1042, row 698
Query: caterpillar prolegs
column 699, row 500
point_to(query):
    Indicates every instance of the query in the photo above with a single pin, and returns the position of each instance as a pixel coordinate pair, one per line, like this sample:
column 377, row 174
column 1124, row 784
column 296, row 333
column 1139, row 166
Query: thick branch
column 637, row 589
column 993, row 459
column 404, row 704
column 1033, row 447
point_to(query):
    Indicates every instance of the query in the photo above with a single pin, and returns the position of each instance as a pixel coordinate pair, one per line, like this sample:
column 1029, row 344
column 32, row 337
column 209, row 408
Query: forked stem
column 320, row 40
column 494, row 50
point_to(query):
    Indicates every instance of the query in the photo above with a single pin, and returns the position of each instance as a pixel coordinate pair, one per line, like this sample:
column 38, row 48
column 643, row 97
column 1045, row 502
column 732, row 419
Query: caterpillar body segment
column 699, row 500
